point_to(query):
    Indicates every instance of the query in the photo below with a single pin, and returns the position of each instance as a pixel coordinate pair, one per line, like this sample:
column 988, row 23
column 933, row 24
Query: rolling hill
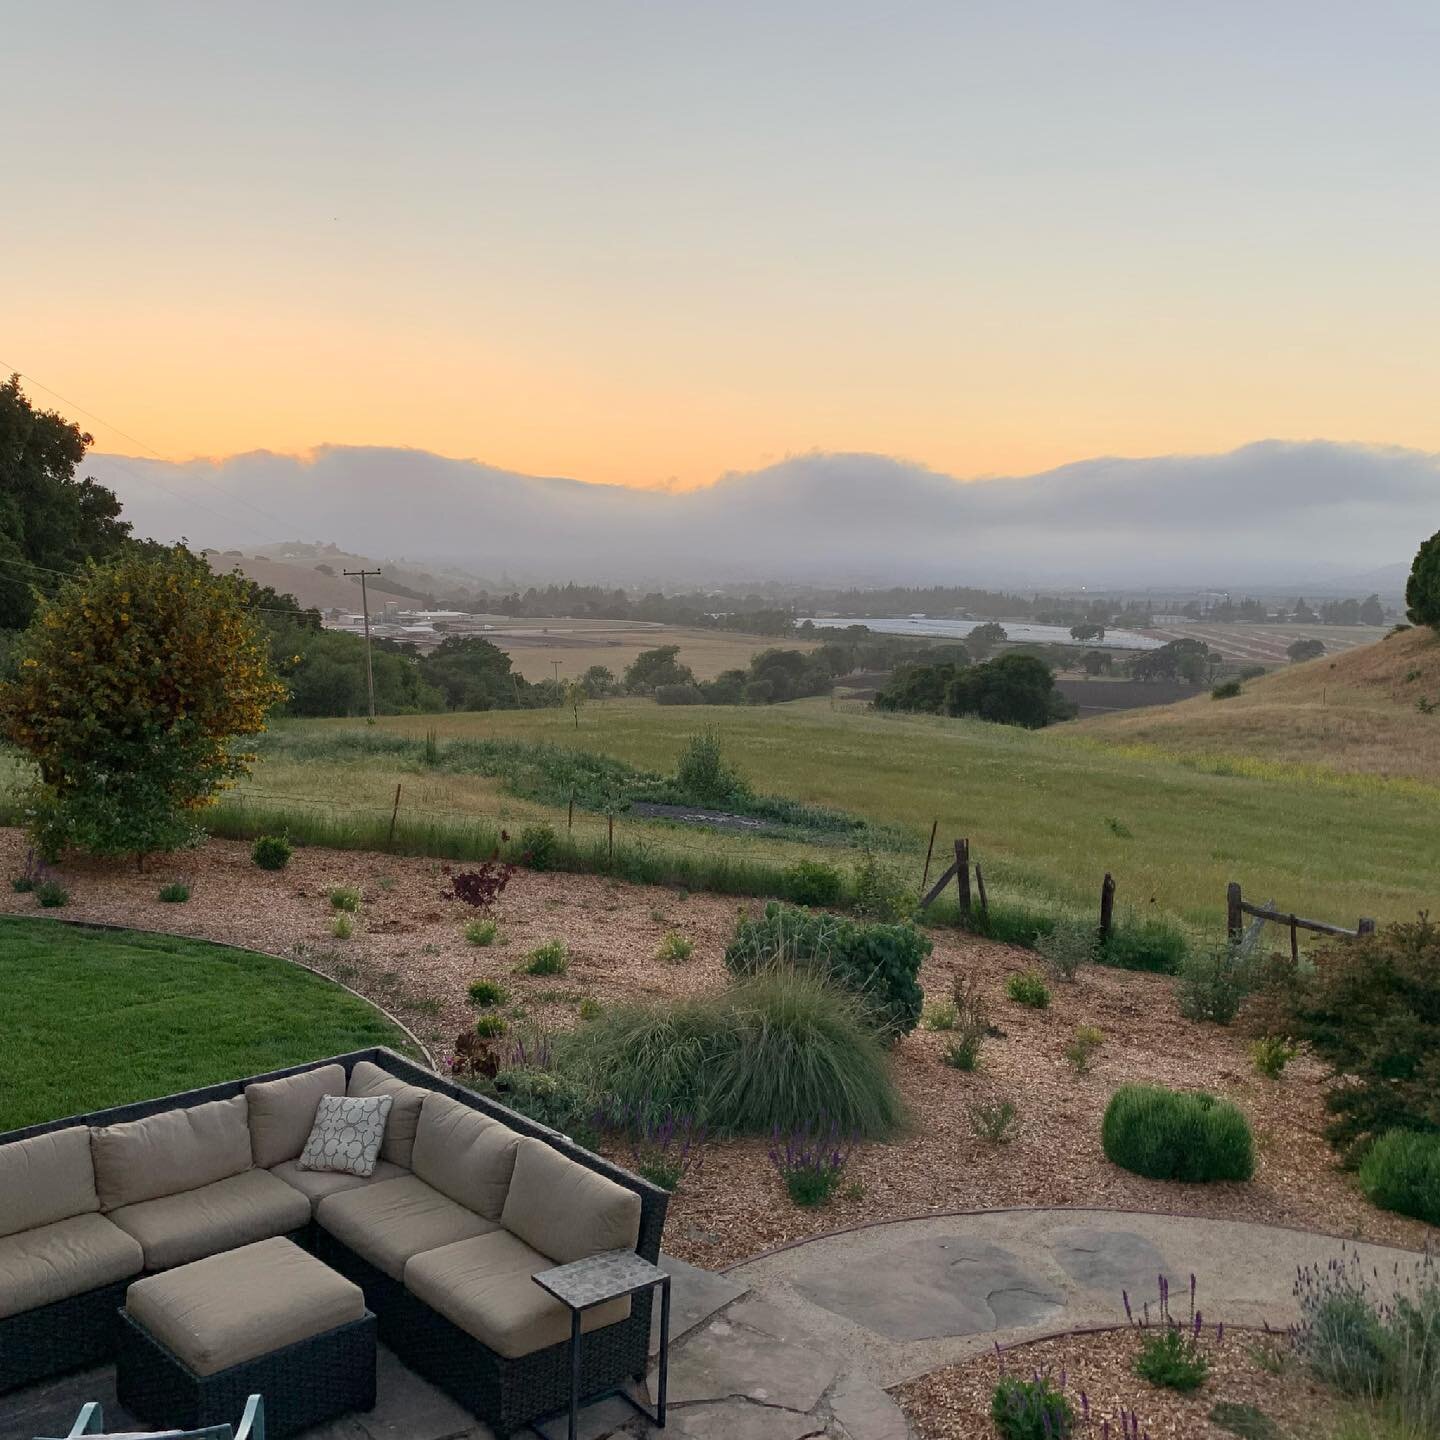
column 1365, row 712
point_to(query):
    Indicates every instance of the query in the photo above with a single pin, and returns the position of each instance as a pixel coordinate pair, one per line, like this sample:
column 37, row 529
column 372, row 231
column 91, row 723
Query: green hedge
column 1401, row 1172
column 1174, row 1135
column 879, row 962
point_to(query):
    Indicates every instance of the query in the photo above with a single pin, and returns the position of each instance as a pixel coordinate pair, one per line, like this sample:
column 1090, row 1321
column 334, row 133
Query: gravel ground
column 408, row 953
column 954, row 1403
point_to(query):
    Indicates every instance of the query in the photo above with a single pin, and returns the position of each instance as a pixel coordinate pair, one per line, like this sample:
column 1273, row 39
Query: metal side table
column 613, row 1275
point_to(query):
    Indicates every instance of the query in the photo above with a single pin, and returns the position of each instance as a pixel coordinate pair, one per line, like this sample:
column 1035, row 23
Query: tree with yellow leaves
column 131, row 685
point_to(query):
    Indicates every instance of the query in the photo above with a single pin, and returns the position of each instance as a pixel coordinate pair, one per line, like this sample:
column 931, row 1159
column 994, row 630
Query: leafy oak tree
column 133, row 682
column 49, row 521
column 1422, row 590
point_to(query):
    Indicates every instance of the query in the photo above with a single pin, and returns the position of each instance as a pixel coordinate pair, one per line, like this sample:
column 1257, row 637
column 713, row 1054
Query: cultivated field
column 1266, row 644
column 1362, row 713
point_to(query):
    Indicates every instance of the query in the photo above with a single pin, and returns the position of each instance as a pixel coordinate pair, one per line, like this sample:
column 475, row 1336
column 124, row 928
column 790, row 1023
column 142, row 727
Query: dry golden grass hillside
column 1365, row 712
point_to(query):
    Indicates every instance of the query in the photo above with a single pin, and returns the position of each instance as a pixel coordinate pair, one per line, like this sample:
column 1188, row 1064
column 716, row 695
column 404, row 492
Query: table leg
column 664, row 1350
column 574, row 1373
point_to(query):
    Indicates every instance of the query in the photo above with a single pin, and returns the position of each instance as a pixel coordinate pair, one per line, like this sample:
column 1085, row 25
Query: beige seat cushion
column 173, row 1151
column 176, row 1229
column 281, row 1112
column 243, row 1304
column 368, row 1079
column 465, row 1155
column 315, row 1185
column 484, row 1287
column 53, row 1262
column 46, row 1178
column 388, row 1223
column 565, row 1210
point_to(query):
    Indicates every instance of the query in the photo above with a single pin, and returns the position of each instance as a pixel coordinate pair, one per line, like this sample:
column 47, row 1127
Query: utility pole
column 556, row 664
column 365, row 606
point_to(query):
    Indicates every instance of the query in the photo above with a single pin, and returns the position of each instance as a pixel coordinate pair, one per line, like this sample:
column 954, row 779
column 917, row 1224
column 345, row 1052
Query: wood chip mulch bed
column 408, row 954
column 1249, row 1372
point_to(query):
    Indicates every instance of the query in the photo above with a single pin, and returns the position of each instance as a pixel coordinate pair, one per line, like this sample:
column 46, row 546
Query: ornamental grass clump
column 811, row 1162
column 482, row 932
column 1174, row 1135
column 486, row 994
column 175, row 893
column 1081, row 1051
column 551, row 958
column 773, row 1051
column 1029, row 988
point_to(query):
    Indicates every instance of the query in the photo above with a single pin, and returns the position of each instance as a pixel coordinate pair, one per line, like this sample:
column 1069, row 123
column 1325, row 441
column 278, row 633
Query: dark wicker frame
column 34, row 1345
column 304, row 1384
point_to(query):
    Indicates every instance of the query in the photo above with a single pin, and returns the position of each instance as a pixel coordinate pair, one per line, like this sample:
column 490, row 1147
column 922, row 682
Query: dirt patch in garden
column 1248, row 1370
column 409, row 954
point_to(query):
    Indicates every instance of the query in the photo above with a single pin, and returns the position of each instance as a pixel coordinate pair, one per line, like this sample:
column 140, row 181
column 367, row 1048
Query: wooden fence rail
column 1237, row 907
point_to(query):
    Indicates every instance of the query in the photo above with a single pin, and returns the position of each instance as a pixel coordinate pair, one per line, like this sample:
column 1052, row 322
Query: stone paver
column 695, row 1295
column 729, row 1360
column 1097, row 1258
column 862, row 1411
column 737, row 1420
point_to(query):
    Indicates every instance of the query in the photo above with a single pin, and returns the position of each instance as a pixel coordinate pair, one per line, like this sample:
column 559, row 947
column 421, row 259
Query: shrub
column 52, row 894
column 1401, row 1172
column 1370, row 1009
column 551, row 958
column 1029, row 988
column 482, row 932
column 1225, row 690
column 1152, row 945
column 1080, row 1052
column 486, row 994
column 1271, row 1054
column 1067, row 947
column 1173, row 1135
column 481, row 887
column 675, row 948
column 703, row 775
column 773, row 1051
column 811, row 882
column 540, row 845
column 174, row 893
column 490, row 1027
column 22, row 884
column 880, row 893
column 880, row 963
column 344, row 897
column 272, row 852
column 1214, row 983
column 941, row 1016
column 972, row 1025
column 1034, row 1409
column 811, row 1162
column 342, row 927
column 1172, row 1359
column 588, row 1008
column 994, row 1120
column 679, row 695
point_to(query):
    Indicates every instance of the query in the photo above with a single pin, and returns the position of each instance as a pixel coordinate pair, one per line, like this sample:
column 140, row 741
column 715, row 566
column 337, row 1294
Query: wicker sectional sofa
column 468, row 1201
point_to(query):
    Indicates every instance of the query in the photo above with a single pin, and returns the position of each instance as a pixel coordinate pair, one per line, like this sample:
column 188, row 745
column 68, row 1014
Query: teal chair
column 91, row 1422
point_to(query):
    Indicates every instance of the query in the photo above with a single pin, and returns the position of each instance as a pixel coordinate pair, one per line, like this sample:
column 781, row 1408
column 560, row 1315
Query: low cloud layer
column 1269, row 513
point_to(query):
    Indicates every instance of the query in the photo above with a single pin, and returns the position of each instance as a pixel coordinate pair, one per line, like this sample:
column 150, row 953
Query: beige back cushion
column 45, row 1179
column 566, row 1211
column 170, row 1152
column 282, row 1112
column 465, row 1155
column 399, row 1143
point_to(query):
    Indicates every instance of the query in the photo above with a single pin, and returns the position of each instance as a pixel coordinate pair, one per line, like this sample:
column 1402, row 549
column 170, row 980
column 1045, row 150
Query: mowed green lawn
column 1047, row 813
column 95, row 1018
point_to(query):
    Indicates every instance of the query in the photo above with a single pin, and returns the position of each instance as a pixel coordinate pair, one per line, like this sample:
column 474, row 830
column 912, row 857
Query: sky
column 649, row 244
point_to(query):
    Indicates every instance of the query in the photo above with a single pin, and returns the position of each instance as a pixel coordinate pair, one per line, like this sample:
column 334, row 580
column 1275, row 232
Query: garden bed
column 409, row 954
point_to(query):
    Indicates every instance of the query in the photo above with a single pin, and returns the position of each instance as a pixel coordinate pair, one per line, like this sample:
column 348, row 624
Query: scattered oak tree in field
column 1422, row 590
column 1306, row 649
column 131, row 684
column 651, row 669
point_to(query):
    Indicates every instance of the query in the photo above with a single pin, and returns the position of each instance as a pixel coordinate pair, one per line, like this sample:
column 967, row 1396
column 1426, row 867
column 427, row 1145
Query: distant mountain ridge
column 1261, row 514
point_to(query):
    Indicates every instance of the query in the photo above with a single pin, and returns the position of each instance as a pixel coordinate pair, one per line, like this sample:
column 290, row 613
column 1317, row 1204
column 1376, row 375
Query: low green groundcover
column 95, row 1018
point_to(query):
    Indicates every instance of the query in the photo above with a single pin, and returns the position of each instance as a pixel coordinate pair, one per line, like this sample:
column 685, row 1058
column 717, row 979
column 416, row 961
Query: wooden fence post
column 1233, row 922
column 929, row 851
column 1365, row 927
column 962, row 878
column 611, row 819
column 1107, row 906
column 570, row 821
column 1294, row 942
column 980, row 886
column 394, row 814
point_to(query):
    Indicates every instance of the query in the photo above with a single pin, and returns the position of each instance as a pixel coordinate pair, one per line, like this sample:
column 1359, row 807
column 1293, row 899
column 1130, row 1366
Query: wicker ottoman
column 196, row 1340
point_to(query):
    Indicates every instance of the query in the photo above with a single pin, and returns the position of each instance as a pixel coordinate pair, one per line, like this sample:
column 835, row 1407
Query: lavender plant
column 811, row 1162
column 665, row 1146
column 1036, row 1408
column 1171, row 1355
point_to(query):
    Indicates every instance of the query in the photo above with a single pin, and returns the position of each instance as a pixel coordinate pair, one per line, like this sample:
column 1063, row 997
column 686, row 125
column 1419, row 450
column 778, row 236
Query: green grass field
column 96, row 1018
column 1047, row 813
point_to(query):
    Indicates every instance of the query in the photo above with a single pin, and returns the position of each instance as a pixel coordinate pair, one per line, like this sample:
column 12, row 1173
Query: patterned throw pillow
column 347, row 1134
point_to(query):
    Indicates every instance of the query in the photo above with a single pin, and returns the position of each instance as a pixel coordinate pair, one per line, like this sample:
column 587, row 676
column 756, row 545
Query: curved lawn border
column 1057, row 1210
column 114, row 929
